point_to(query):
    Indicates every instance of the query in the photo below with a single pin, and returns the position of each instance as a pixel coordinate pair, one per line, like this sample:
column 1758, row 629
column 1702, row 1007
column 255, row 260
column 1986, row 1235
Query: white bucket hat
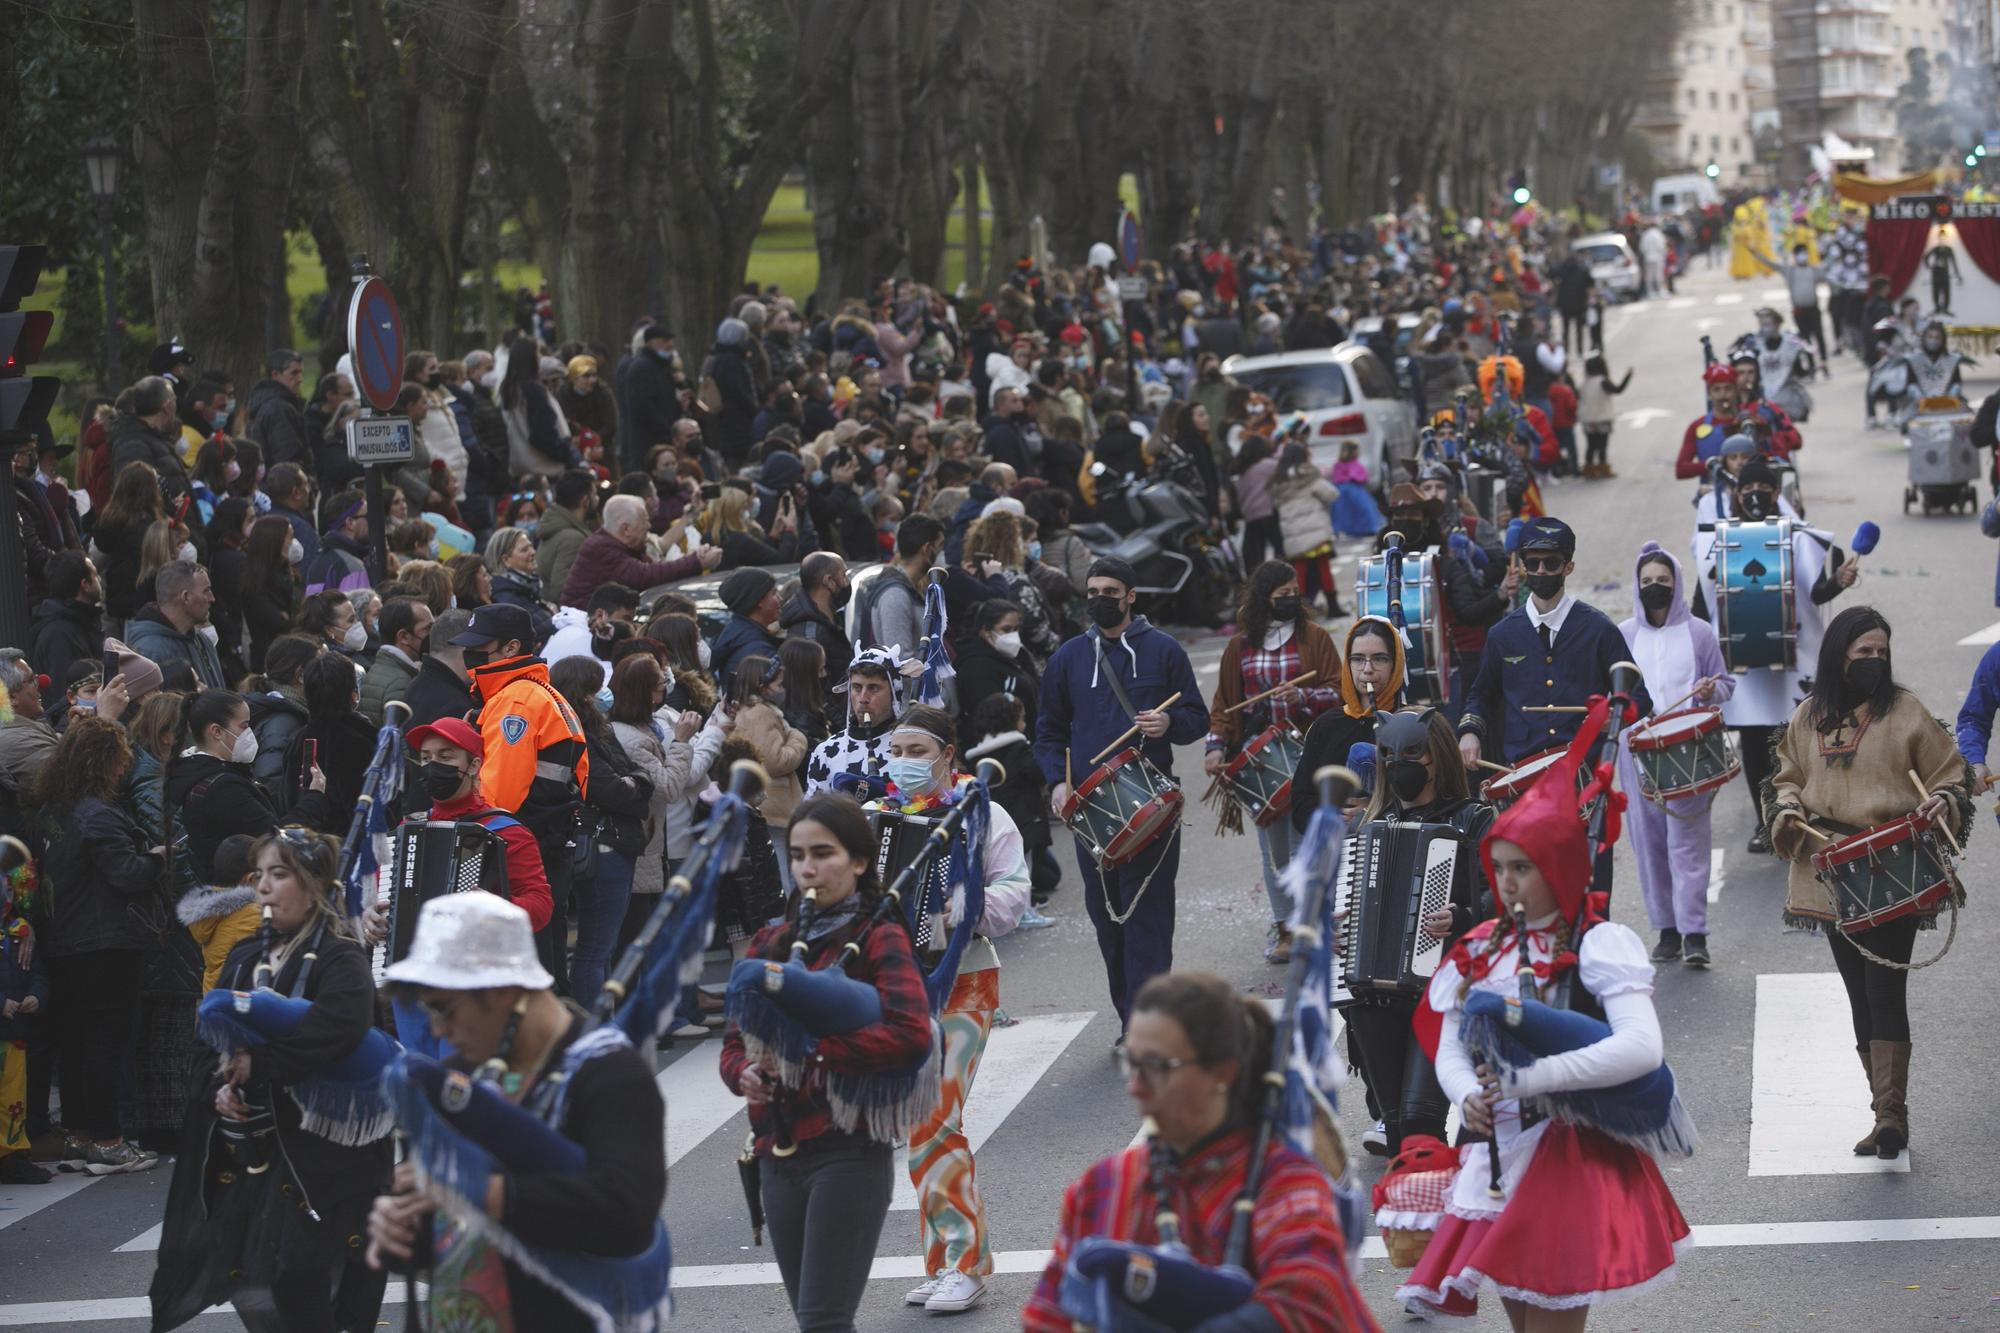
column 472, row 941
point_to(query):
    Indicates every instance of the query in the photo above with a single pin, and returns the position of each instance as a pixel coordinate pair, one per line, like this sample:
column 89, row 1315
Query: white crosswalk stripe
column 1715, row 862
column 1808, row 1101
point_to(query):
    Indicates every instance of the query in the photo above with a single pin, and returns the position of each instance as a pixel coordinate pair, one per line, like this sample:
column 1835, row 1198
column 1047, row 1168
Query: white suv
column 1345, row 393
column 1609, row 257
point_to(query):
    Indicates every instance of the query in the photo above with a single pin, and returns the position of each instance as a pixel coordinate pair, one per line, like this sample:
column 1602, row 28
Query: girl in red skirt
column 1582, row 1218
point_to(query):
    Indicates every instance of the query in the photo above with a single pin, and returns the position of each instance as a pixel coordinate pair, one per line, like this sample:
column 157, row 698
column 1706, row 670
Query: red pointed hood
column 1545, row 823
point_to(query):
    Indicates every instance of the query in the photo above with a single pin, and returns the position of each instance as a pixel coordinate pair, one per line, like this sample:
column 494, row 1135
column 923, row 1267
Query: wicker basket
column 1405, row 1247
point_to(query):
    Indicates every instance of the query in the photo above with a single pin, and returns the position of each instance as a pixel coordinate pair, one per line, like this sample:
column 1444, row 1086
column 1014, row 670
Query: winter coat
column 1253, row 490
column 666, row 763
column 602, row 559
column 270, row 608
column 276, row 420
column 984, row 671
column 437, row 692
column 64, row 631
column 118, row 570
column 277, row 716
column 103, row 885
column 782, row 750
column 25, row 746
column 133, row 441
column 652, row 404
column 387, row 681
column 525, row 591
column 729, row 367
column 741, row 637
column 213, row 800
column 150, row 634
column 1081, row 714
column 1067, row 552
column 557, row 540
column 1023, row 795
column 1303, row 519
column 801, row 618
column 219, row 917
column 535, row 440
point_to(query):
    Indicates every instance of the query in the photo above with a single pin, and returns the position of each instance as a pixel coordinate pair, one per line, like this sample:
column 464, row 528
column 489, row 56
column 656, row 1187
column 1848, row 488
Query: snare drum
column 1503, row 789
column 1886, row 872
column 1684, row 753
column 1755, row 620
column 1122, row 807
column 1427, row 657
column 1260, row 778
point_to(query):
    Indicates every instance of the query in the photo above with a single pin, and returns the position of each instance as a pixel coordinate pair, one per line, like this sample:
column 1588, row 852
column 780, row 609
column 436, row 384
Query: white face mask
column 702, row 653
column 245, row 747
column 355, row 638
column 1009, row 645
column 209, row 632
column 186, row 552
column 294, row 553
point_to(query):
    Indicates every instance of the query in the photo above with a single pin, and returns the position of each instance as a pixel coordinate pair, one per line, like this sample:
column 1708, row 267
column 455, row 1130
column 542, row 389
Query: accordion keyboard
column 1433, row 895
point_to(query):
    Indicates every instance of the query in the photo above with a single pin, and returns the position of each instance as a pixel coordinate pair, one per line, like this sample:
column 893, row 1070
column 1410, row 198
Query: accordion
column 1392, row 875
column 898, row 839
column 429, row 858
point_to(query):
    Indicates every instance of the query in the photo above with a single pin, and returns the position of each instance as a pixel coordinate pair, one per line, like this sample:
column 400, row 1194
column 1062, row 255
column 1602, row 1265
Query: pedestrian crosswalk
column 1808, row 1101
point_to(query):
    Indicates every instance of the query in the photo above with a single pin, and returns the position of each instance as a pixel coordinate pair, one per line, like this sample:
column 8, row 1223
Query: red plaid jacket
column 900, row 1040
column 1296, row 1251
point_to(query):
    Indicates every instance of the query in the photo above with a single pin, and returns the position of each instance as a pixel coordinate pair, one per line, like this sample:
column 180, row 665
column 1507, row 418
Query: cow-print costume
column 846, row 752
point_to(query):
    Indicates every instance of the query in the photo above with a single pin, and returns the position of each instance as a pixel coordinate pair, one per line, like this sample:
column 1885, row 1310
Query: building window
column 1732, row 101
column 1694, row 144
column 1714, row 143
column 1713, row 100
column 1735, row 144
column 1694, row 98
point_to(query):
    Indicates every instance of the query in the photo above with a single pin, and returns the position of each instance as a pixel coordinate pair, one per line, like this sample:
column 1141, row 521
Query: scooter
column 1188, row 573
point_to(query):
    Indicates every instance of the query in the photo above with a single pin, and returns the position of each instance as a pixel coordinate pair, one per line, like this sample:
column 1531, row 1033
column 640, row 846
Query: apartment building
column 1709, row 97
column 1837, row 65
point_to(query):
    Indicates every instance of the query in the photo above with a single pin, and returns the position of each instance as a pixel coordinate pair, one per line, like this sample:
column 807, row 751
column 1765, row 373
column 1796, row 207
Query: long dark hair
column 1221, row 1026
column 840, row 815
column 1829, row 704
column 1253, row 616
column 578, row 679
column 804, row 675
column 524, row 367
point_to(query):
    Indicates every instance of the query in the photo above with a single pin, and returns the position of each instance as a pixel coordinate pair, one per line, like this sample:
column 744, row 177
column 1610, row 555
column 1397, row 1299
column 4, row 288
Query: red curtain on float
column 1896, row 250
column 1981, row 238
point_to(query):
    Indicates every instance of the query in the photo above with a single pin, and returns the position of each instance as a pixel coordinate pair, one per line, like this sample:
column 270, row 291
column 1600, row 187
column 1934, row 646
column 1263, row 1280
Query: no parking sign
column 375, row 339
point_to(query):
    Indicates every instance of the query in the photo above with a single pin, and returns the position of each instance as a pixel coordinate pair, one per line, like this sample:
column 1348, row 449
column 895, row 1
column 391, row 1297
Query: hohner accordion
column 430, row 858
column 898, row 839
column 1391, row 877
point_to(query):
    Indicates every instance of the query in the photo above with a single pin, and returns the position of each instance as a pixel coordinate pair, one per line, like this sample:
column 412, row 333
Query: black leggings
column 1596, row 445
column 1877, row 995
column 1755, row 745
column 825, row 1206
column 1400, row 1077
column 95, row 999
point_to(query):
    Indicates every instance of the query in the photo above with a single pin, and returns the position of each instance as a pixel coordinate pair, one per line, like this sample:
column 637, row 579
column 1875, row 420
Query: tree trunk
column 975, row 222
column 859, row 151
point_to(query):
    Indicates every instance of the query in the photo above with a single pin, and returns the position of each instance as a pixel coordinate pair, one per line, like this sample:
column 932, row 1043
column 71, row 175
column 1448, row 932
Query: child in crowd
column 1355, row 513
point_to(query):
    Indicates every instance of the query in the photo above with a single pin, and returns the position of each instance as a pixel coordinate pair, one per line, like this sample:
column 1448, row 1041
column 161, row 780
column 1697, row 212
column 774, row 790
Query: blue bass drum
column 1755, row 618
column 1427, row 651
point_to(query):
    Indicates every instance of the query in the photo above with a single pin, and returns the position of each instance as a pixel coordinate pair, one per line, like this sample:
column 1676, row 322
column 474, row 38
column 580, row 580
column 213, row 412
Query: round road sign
column 375, row 339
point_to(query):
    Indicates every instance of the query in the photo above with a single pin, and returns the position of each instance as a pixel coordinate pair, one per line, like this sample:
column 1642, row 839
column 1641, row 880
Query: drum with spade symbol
column 1754, row 616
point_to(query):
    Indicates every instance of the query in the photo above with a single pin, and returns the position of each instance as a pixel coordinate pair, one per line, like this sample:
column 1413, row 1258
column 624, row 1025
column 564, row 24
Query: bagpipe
column 783, row 1009
column 381, row 784
column 461, row 1128
column 1122, row 1286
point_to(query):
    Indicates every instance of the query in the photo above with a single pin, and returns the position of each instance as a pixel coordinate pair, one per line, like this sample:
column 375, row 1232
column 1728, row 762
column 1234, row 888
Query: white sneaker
column 921, row 1295
column 1376, row 1139
column 690, row 1031
column 955, row 1291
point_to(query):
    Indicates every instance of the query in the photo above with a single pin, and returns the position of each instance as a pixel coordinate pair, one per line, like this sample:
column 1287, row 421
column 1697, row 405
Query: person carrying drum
column 1470, row 606
column 1121, row 676
column 1678, row 657
column 1275, row 644
column 1764, row 697
column 1845, row 764
column 1552, row 651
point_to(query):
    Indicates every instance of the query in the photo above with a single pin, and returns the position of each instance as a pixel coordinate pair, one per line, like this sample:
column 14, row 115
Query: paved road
column 1792, row 1232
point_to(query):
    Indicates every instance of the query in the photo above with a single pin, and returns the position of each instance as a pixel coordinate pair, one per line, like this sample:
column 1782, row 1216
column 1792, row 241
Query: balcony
column 1658, row 116
column 1826, row 8
column 1758, row 79
column 1857, row 92
column 1756, row 31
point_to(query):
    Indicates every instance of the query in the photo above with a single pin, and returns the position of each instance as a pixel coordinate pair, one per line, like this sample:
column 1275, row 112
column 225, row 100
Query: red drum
column 1503, row 789
column 1260, row 778
column 1122, row 807
column 1684, row 754
column 1889, row 871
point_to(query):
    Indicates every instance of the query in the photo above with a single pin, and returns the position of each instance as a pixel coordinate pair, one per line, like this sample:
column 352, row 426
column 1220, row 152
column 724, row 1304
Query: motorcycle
column 1188, row 572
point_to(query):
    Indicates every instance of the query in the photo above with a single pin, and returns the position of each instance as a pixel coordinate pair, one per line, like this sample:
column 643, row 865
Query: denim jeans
column 1277, row 842
column 599, row 901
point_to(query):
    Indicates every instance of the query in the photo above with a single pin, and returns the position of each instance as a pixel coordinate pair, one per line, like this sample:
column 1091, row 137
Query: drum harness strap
column 1951, row 900
column 1125, row 702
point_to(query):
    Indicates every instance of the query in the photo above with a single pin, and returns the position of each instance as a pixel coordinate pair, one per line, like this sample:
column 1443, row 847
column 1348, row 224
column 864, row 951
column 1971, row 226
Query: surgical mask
column 1863, row 676
column 1656, row 596
column 1009, row 644
column 186, row 551
column 529, row 526
column 232, row 470
column 1034, row 550
column 818, row 477
column 1106, row 611
column 210, row 633
column 244, row 748
column 441, row 780
column 874, row 457
column 1934, row 345
column 1285, row 608
column 1407, row 778
column 703, row 653
column 1546, row 586
column 603, row 700
column 912, row 777
column 294, row 553
column 355, row 637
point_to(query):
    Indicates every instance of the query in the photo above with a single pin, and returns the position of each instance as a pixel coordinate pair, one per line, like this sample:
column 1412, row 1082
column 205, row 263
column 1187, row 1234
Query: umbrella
column 753, row 1189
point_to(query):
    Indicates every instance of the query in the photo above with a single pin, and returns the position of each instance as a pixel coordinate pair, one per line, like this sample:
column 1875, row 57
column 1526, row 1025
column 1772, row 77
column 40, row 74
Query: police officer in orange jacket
column 536, row 765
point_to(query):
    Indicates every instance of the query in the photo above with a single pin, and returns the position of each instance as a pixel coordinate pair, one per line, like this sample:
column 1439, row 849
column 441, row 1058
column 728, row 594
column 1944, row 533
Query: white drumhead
column 1671, row 729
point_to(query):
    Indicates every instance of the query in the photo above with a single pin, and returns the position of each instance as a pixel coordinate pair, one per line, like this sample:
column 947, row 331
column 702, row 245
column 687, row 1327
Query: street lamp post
column 100, row 164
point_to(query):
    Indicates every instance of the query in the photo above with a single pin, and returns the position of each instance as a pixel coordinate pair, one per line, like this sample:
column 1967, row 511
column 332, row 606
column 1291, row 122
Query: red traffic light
column 23, row 335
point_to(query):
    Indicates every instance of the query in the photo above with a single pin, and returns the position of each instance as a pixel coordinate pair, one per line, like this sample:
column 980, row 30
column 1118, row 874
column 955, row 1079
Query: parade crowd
column 608, row 575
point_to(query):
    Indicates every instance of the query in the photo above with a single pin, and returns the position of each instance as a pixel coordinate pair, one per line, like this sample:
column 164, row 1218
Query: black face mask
column 1107, row 611
column 1548, row 587
column 841, row 596
column 1285, row 608
column 1862, row 677
column 441, row 780
column 1755, row 504
column 476, row 658
column 434, row 382
column 1656, row 596
column 1771, row 340
column 1407, row 778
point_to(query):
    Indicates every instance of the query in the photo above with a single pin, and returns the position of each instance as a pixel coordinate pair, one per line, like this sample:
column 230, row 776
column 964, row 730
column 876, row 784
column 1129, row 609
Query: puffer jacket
column 1304, row 521
column 276, row 717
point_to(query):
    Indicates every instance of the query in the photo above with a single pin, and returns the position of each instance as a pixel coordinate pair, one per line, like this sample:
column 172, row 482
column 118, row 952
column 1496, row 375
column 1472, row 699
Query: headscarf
column 579, row 366
column 1353, row 699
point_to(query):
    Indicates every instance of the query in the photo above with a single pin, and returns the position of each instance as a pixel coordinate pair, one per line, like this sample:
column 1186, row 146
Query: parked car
column 1611, row 262
column 1345, row 393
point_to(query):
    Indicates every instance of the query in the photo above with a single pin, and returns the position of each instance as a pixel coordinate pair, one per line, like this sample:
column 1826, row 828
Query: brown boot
column 1889, row 1077
column 1866, row 1148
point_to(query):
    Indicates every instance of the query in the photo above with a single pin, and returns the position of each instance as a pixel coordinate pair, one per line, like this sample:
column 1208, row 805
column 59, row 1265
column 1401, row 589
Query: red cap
column 450, row 730
column 1071, row 334
column 1719, row 373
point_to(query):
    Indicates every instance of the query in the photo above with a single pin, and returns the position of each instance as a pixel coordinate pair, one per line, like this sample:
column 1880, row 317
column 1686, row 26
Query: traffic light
column 25, row 399
column 1711, row 171
column 1517, row 187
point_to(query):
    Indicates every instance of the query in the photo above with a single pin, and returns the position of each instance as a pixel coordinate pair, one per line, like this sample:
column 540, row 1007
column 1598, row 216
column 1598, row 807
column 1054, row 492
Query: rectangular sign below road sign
column 373, row 440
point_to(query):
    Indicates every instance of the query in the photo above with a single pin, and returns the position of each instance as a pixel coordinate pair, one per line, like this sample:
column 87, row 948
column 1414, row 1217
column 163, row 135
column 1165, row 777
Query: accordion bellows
column 1392, row 876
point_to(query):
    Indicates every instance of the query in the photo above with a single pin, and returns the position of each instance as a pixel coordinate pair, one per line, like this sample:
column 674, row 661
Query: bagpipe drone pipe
column 783, row 1009
column 1122, row 1286
column 341, row 1102
column 461, row 1129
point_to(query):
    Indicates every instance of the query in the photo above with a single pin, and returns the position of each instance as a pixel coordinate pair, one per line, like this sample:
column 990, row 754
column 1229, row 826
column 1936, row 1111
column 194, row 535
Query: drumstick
column 1698, row 686
column 1924, row 793
column 1555, row 708
column 1133, row 730
column 1497, row 768
column 1295, row 680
